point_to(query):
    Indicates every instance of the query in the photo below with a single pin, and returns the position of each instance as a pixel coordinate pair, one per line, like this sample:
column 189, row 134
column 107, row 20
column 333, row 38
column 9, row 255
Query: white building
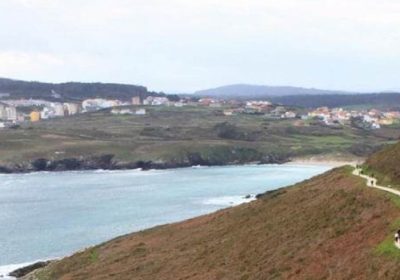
column 8, row 113
column 375, row 126
column 46, row 113
column 11, row 113
column 90, row 105
column 3, row 113
column 290, row 115
column 156, row 101
column 140, row 111
column 58, row 109
column 136, row 100
column 71, row 108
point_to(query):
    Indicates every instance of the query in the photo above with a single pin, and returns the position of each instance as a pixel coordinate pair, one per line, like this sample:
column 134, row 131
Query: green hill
column 69, row 91
column 329, row 227
column 174, row 137
column 385, row 165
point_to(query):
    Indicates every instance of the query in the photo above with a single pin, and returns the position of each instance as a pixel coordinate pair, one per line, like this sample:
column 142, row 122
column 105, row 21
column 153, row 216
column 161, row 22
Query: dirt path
column 372, row 182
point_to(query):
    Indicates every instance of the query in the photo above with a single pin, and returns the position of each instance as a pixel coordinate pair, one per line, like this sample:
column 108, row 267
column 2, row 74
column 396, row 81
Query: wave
column 6, row 269
column 116, row 171
column 229, row 200
column 200, row 166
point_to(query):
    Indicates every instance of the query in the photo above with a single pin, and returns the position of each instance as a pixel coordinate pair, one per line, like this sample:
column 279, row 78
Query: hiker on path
column 397, row 237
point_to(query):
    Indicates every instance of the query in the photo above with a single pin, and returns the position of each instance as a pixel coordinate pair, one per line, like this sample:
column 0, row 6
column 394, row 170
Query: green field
column 169, row 134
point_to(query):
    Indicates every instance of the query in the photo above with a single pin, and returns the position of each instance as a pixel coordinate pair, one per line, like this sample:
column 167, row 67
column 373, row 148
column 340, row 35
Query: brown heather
column 329, row 227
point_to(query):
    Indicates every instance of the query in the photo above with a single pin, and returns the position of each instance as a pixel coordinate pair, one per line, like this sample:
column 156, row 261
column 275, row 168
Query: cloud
column 35, row 3
column 11, row 61
column 166, row 44
column 46, row 66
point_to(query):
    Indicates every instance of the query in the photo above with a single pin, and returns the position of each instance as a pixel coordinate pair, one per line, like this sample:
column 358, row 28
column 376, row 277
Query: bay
column 49, row 215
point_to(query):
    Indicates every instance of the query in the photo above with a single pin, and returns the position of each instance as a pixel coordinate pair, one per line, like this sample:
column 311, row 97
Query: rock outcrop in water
column 21, row 272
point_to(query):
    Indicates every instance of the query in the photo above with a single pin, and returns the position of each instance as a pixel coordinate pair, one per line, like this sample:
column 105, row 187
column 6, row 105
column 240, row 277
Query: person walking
column 397, row 238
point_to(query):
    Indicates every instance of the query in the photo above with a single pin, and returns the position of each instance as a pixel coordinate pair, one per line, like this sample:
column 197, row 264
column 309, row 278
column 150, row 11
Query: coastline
column 6, row 269
column 332, row 163
column 26, row 268
column 102, row 170
column 43, row 165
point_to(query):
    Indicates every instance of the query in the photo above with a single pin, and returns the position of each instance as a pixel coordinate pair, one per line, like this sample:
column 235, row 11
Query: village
column 16, row 112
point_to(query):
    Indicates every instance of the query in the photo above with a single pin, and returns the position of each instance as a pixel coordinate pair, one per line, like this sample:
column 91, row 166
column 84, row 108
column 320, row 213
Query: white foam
column 107, row 171
column 228, row 200
column 199, row 166
column 6, row 269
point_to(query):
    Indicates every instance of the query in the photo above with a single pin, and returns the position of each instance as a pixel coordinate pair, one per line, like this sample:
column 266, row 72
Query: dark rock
column 65, row 164
column 145, row 165
column 21, row 272
column 40, row 164
column 196, row 159
column 218, row 157
column 5, row 170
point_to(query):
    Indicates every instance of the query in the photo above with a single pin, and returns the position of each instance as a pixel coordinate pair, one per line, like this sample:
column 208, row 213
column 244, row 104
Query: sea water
column 49, row 215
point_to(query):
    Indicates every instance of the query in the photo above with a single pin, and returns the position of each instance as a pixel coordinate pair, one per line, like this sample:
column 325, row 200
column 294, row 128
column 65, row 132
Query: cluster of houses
column 13, row 112
column 8, row 114
column 373, row 118
column 261, row 108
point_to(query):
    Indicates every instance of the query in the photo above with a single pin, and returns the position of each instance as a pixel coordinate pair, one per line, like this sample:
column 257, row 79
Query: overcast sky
column 185, row 45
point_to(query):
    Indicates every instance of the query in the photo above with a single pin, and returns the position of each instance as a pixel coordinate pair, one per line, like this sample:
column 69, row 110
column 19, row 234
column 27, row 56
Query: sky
column 182, row 46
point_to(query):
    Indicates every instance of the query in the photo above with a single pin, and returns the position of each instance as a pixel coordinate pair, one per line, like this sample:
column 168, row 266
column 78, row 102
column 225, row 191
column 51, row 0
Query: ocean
column 51, row 215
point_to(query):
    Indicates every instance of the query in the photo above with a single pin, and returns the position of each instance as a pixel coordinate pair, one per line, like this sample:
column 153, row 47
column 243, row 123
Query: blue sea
column 50, row 215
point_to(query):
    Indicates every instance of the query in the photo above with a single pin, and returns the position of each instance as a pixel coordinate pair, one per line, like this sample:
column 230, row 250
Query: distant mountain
column 376, row 100
column 303, row 97
column 69, row 91
column 244, row 91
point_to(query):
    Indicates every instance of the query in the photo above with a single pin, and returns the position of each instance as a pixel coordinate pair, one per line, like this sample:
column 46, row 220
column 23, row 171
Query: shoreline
column 5, row 270
column 329, row 160
column 313, row 160
column 25, row 268
column 332, row 163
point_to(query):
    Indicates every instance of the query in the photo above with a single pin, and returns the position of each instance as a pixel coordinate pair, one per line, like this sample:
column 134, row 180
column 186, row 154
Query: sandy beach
column 328, row 160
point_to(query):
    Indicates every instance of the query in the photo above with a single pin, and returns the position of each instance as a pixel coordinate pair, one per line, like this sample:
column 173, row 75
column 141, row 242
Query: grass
column 93, row 255
column 384, row 166
column 169, row 133
column 387, row 248
column 386, row 174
